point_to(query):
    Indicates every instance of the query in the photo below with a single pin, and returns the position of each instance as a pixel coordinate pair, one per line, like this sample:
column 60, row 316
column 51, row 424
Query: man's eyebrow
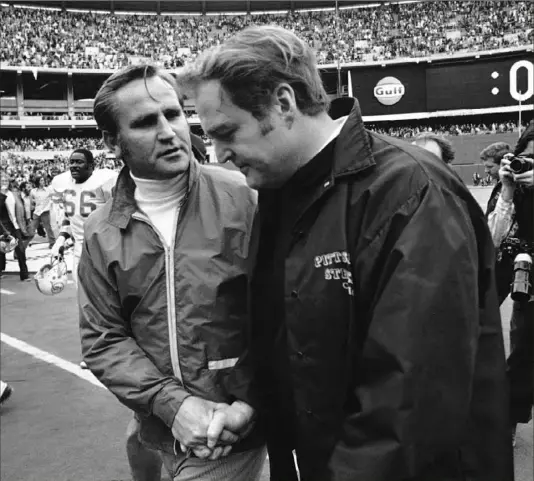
column 218, row 129
column 142, row 119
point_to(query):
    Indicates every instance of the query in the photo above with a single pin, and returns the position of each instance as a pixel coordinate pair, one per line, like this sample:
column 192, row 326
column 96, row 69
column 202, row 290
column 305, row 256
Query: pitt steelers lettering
column 336, row 273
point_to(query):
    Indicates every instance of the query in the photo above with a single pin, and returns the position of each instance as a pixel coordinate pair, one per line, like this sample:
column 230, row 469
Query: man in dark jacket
column 164, row 277
column 378, row 340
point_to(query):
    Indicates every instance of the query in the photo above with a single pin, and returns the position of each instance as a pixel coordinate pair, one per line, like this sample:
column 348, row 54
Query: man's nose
column 165, row 130
column 223, row 154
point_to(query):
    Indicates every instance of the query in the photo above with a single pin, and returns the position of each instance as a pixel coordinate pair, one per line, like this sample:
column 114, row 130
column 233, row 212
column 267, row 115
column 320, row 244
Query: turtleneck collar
column 160, row 190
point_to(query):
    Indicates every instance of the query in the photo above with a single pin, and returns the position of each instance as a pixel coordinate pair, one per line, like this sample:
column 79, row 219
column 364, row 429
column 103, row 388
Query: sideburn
column 266, row 126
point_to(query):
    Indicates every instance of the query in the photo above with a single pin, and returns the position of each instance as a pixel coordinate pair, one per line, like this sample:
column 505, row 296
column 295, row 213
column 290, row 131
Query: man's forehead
column 215, row 107
column 78, row 156
column 152, row 90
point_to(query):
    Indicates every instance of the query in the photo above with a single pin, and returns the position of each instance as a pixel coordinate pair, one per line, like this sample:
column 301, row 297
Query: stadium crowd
column 25, row 144
column 56, row 39
column 449, row 129
column 45, row 116
column 52, row 143
column 22, row 168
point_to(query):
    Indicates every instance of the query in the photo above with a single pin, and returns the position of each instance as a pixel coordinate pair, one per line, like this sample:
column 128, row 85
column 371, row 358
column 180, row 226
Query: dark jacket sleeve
column 416, row 372
column 110, row 350
column 241, row 385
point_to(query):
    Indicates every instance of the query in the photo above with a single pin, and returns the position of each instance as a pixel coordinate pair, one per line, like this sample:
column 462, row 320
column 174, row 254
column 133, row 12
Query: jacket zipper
column 169, row 274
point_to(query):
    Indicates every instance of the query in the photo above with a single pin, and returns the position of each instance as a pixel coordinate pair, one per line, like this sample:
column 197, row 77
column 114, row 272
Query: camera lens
column 516, row 165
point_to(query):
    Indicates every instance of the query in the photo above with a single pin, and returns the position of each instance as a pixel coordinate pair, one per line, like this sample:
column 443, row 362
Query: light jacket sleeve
column 416, row 370
column 500, row 220
column 110, row 350
column 10, row 205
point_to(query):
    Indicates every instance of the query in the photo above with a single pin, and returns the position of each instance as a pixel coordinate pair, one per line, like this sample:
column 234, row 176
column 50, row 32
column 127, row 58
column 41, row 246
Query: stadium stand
column 42, row 42
column 49, row 38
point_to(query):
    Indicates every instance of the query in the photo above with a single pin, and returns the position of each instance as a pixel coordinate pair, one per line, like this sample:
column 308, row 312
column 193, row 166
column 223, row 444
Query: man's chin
column 254, row 181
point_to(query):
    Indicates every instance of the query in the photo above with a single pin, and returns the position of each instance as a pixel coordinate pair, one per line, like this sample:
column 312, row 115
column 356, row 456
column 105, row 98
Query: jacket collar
column 123, row 205
column 352, row 152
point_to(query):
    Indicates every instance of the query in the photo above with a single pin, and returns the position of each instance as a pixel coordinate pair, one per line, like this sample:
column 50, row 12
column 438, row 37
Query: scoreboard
column 453, row 84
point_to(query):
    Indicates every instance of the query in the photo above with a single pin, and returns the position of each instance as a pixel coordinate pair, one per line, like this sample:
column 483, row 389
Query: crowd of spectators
column 23, row 144
column 47, row 38
column 449, row 129
column 46, row 116
column 53, row 143
column 21, row 168
column 58, row 116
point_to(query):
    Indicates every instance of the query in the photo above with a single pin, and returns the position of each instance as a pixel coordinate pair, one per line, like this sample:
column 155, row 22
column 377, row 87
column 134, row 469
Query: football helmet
column 52, row 278
column 8, row 243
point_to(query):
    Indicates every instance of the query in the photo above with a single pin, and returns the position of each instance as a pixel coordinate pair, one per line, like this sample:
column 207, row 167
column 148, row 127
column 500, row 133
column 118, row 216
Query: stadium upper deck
column 55, row 58
column 77, row 39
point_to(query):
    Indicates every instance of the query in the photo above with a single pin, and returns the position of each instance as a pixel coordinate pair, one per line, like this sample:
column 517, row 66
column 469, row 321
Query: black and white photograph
column 266, row 240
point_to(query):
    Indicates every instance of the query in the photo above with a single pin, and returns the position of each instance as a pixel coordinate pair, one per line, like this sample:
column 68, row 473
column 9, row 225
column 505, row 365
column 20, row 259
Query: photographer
column 511, row 222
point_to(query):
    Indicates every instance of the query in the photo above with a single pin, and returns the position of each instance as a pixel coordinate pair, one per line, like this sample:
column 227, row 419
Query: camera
column 522, row 283
column 518, row 165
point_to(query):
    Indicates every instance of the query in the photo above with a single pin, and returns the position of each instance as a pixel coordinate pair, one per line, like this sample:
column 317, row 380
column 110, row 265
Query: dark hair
column 104, row 105
column 36, row 181
column 251, row 64
column 87, row 154
column 525, row 138
column 447, row 151
column 495, row 152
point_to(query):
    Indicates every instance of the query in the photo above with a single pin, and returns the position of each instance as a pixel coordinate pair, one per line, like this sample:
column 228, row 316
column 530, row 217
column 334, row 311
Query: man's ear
column 112, row 143
column 284, row 98
column 285, row 102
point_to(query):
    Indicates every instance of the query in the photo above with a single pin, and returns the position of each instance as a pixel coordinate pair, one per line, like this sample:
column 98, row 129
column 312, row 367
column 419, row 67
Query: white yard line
column 6, row 292
column 50, row 359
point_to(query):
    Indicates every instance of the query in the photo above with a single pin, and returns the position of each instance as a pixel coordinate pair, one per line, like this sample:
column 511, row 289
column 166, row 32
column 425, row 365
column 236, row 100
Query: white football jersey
column 79, row 200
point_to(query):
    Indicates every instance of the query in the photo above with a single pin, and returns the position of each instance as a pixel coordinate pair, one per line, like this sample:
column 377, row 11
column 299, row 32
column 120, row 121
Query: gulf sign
column 389, row 91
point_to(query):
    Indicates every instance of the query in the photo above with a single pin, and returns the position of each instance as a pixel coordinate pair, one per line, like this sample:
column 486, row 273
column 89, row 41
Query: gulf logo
column 389, row 91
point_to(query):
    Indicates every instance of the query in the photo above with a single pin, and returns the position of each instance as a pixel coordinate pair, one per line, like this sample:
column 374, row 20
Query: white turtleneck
column 161, row 200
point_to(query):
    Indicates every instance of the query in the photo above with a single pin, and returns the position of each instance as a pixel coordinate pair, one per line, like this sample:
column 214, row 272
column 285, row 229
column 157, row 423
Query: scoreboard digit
column 517, row 94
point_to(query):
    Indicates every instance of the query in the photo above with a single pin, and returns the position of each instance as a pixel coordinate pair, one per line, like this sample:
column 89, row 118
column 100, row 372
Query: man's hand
column 238, row 418
column 507, row 178
column 58, row 247
column 191, row 423
column 526, row 178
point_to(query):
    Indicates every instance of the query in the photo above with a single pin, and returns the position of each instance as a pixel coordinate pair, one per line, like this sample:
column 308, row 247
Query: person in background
column 25, row 193
column 24, row 210
column 79, row 191
column 11, row 224
column 41, row 198
column 510, row 216
column 491, row 157
column 437, row 144
column 376, row 330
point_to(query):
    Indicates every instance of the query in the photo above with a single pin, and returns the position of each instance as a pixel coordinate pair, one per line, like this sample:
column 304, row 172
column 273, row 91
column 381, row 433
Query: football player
column 79, row 191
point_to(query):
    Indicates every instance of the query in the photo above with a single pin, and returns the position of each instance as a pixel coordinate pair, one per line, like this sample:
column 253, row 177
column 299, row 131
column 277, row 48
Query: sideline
column 51, row 359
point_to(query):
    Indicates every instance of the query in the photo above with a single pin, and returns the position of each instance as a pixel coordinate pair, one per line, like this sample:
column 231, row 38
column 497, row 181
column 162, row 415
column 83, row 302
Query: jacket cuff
column 167, row 402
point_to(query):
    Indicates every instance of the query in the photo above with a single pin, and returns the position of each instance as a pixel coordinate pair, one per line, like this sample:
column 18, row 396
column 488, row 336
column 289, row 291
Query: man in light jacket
column 164, row 278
